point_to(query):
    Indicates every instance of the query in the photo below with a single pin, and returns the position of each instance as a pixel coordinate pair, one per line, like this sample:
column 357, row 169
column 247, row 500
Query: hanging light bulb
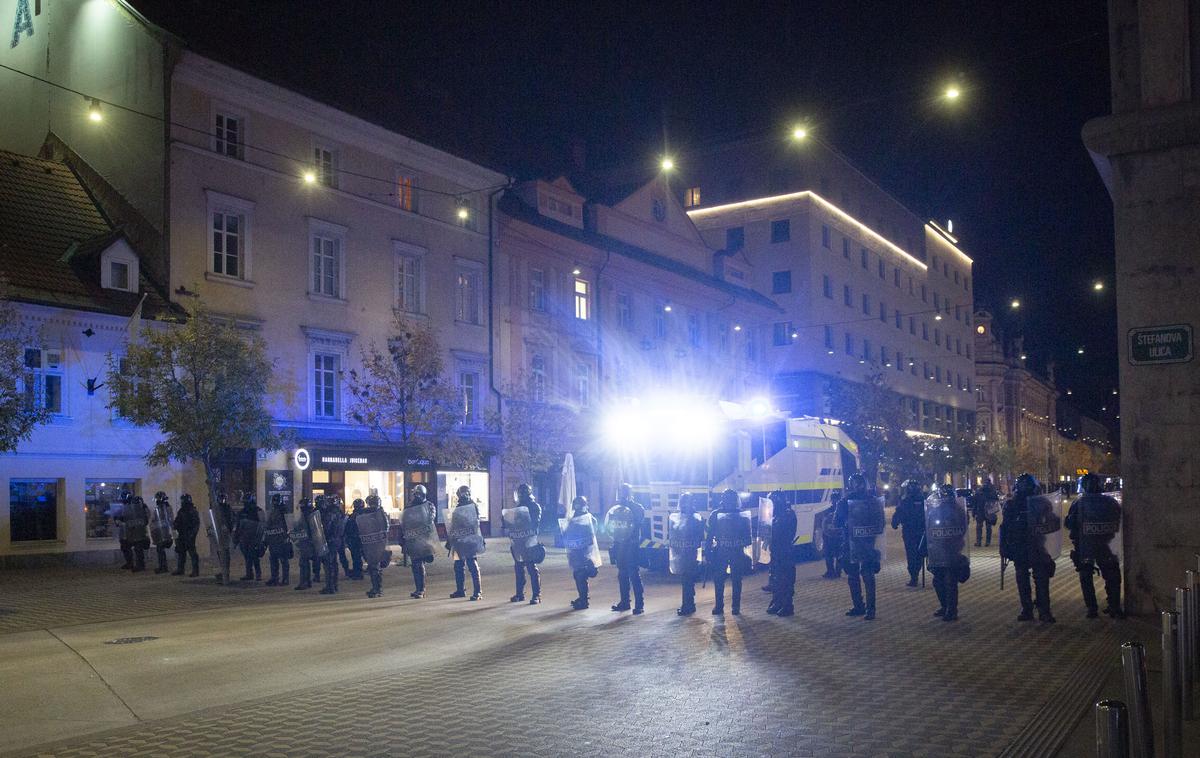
column 94, row 111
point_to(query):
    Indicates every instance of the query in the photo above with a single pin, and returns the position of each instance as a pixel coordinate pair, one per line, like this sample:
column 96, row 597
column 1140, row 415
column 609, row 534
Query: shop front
column 352, row 473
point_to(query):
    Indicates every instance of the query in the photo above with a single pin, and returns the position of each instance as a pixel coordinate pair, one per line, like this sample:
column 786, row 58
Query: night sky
column 512, row 84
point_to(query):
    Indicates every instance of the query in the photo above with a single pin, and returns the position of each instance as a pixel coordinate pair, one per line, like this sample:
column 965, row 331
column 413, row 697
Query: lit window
column 43, row 379
column 405, row 198
column 691, row 198
column 325, row 164
column 98, row 497
column 227, row 234
column 582, row 301
column 781, row 230
column 227, row 135
column 325, row 385
column 408, row 283
column 326, row 266
column 781, row 282
column 537, row 289
column 468, row 385
column 468, row 294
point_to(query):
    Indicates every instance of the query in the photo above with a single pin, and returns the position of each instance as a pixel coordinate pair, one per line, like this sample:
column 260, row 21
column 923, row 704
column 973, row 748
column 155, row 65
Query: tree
column 996, row 458
column 537, row 435
column 402, row 394
column 955, row 454
column 18, row 415
column 872, row 414
column 1028, row 460
column 204, row 383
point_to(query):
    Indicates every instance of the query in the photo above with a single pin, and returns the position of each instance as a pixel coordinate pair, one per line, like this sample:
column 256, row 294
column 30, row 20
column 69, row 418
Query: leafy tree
column 996, row 459
column 1027, row 459
column 537, row 435
column 402, row 394
column 952, row 455
column 872, row 414
column 18, row 416
column 204, row 383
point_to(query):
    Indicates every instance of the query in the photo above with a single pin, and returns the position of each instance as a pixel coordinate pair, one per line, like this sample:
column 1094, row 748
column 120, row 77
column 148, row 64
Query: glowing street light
column 800, row 133
column 1098, row 286
column 310, row 177
column 667, row 163
column 952, row 93
column 667, row 308
column 463, row 214
column 1079, row 351
column 759, row 407
column 1015, row 303
column 94, row 113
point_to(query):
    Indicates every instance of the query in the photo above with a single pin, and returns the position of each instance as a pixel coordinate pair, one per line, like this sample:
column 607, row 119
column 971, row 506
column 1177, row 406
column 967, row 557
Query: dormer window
column 119, row 268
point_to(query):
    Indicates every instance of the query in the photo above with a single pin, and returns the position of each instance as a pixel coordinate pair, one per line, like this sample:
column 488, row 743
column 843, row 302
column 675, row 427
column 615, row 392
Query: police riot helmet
column 580, row 504
column 373, row 500
column 1090, row 484
column 729, row 499
column 856, row 485
column 524, row 490
column 686, row 503
column 160, row 496
column 1026, row 484
column 946, row 491
column 910, row 488
column 463, row 493
column 185, row 500
column 305, row 502
column 358, row 503
column 419, row 493
column 625, row 491
column 778, row 499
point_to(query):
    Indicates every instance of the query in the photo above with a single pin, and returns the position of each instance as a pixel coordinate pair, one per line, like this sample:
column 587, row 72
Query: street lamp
column 667, row 163
column 1098, row 286
column 800, row 133
column 310, row 177
column 952, row 93
column 94, row 113
column 1015, row 304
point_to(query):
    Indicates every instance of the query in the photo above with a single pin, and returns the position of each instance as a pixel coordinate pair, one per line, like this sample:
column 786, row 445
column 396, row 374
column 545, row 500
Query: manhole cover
column 129, row 640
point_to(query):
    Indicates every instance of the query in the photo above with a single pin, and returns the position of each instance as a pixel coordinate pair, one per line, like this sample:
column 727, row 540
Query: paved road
column 256, row 670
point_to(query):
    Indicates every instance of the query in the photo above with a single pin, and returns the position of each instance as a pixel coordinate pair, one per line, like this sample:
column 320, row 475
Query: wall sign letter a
column 22, row 23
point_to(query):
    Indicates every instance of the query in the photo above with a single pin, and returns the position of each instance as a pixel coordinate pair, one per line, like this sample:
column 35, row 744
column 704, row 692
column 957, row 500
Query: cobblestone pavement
column 599, row 683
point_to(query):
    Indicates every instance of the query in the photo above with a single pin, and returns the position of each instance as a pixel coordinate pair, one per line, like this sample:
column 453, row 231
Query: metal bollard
column 1137, row 694
column 1172, row 687
column 1112, row 729
column 1183, row 607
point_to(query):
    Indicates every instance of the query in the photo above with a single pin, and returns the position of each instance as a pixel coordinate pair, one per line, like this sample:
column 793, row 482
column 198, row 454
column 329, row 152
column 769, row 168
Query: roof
column 52, row 233
column 515, row 207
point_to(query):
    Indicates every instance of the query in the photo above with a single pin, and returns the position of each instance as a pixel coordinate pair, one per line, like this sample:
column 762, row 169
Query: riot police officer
column 685, row 542
column 861, row 515
column 248, row 535
column 1021, row 543
column 727, row 538
column 526, row 559
column 372, row 524
column 783, row 561
column 333, row 522
column 116, row 510
column 465, row 542
column 135, row 518
column 833, row 536
column 417, row 535
column 910, row 514
column 354, row 566
column 278, row 545
column 309, row 538
column 187, row 529
column 161, row 516
column 583, row 553
column 985, row 507
column 945, row 541
column 1094, row 523
column 624, row 521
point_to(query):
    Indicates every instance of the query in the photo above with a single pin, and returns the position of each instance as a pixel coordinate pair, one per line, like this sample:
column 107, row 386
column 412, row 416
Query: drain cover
column 129, row 640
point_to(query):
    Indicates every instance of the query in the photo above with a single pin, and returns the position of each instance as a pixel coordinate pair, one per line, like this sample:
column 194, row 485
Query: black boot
column 460, row 579
column 855, row 584
column 179, row 558
column 736, row 591
column 519, row 573
column 476, row 583
column 286, row 567
column 535, row 584
column 195, row 565
column 869, row 581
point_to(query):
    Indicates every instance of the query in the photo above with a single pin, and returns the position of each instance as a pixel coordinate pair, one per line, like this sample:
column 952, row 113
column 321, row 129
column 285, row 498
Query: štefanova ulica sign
column 1149, row 345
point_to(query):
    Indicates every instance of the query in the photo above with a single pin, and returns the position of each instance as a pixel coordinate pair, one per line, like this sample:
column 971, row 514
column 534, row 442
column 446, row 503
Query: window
column 865, row 255
column 781, row 230
column 751, row 347
column 660, row 320
column 583, row 303
column 829, row 337
column 958, row 345
column 910, row 285
column 325, row 165
column 781, row 333
column 925, row 370
column 693, row 325
column 326, row 265
column 227, row 232
column 43, row 379
column 958, row 313
column 625, row 311
column 937, row 336
column 847, row 298
column 866, row 353
column 900, row 361
column 924, row 331
column 723, row 337
column 537, row 290
column 468, row 293
column 933, row 262
column 98, row 497
column 118, row 275
column 956, row 276
column 866, row 304
column 882, row 269
column 691, row 197
column 735, row 238
column 468, row 387
column 968, row 349
column 912, row 367
column 227, row 135
column 883, row 313
column 405, row 198
column 537, row 378
column 33, row 509
column 827, row 286
column 583, row 384
column 826, row 238
column 408, row 283
column 937, row 374
column 883, row 356
column 937, row 301
column 781, row 282
column 896, row 277
column 849, row 344
column 966, row 284
column 912, row 326
column 846, row 248
column 325, row 385
column 924, row 294
column 899, row 320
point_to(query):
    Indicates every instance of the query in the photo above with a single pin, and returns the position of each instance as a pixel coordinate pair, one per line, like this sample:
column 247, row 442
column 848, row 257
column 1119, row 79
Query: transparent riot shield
column 250, row 534
column 301, row 539
column 579, row 538
column 732, row 536
column 419, row 532
column 316, row 533
column 685, row 538
column 945, row 531
column 372, row 533
column 160, row 525
column 464, row 534
column 762, row 537
column 518, row 524
column 865, row 530
column 1099, row 528
column 618, row 522
column 1045, row 520
column 219, row 542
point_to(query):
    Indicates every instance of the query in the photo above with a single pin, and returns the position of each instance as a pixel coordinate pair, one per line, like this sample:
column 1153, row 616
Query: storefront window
column 448, row 483
column 98, row 497
column 33, row 509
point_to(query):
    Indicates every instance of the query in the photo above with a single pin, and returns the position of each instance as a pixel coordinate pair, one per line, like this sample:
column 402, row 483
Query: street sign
column 1149, row 345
